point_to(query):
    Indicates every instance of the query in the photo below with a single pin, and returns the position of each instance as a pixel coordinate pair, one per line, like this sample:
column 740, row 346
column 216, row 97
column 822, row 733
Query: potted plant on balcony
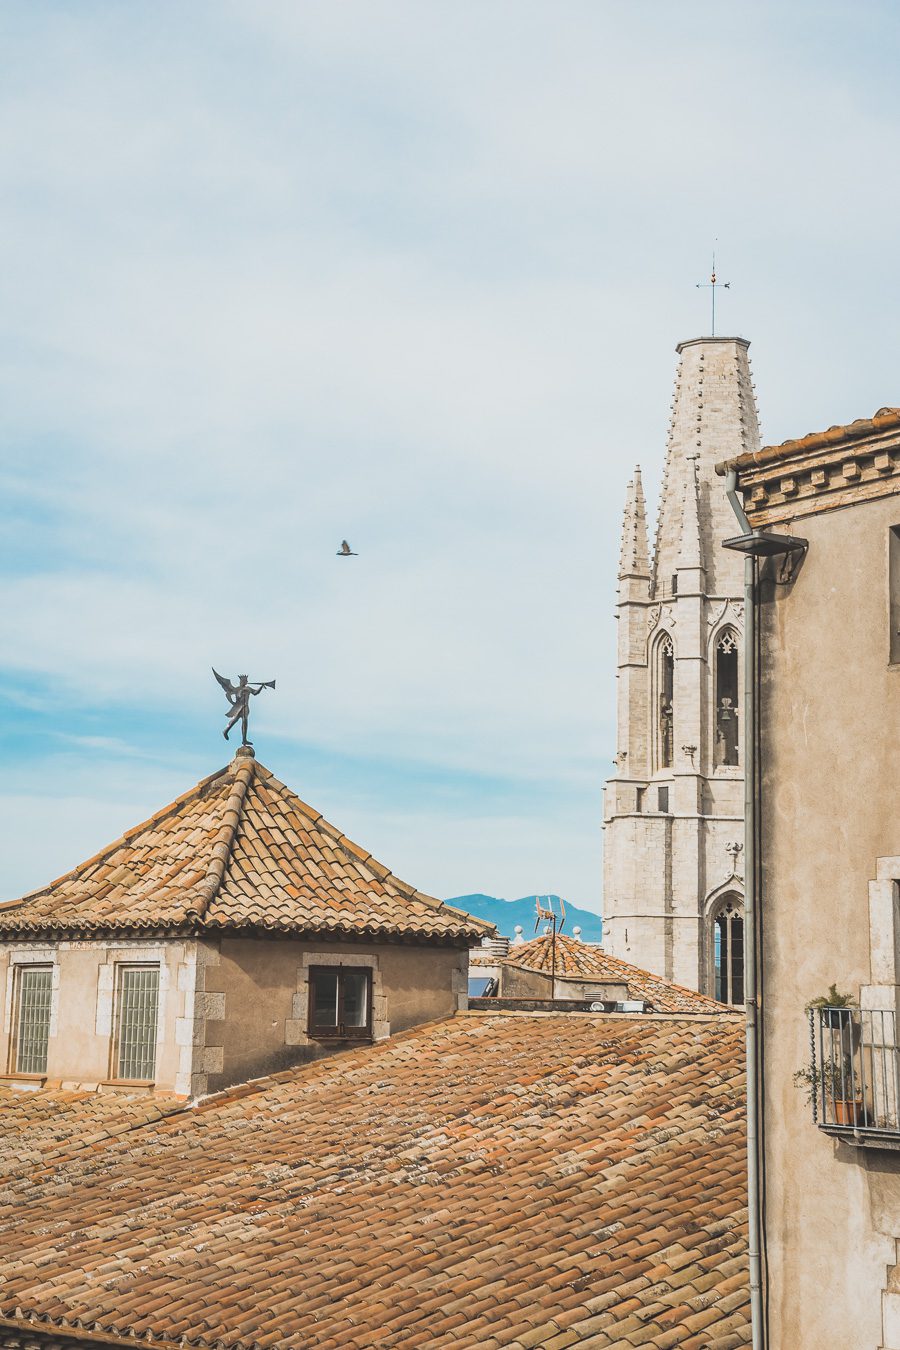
column 833, row 1003
column 834, row 1078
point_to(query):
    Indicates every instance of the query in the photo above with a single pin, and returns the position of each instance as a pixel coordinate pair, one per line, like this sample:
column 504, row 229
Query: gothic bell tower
column 673, row 810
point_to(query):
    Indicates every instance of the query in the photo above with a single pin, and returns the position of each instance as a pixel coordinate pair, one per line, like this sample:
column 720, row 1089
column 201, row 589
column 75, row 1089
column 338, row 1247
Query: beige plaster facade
column 230, row 1008
column 264, row 987
column 81, row 1008
column 829, row 872
column 673, row 810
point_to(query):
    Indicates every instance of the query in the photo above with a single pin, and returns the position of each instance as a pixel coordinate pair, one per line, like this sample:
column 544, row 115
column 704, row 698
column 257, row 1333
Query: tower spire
column 634, row 556
column 713, row 416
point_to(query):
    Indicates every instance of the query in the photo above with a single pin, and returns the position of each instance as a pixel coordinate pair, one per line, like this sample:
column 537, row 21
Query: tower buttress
column 690, row 548
column 634, row 555
column 634, row 597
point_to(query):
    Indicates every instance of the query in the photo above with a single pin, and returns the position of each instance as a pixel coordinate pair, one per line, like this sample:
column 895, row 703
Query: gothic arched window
column 726, row 668
column 728, row 951
column 665, row 684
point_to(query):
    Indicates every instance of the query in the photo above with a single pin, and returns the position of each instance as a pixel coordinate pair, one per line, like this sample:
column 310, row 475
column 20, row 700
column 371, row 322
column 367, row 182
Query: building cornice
column 822, row 471
column 708, row 341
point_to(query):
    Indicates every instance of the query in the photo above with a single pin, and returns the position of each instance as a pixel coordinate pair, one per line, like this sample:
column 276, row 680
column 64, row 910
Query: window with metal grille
column 137, row 1007
column 340, row 1001
column 34, row 986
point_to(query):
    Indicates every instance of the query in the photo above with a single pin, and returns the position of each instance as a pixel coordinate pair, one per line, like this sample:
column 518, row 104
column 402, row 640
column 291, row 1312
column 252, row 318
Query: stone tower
column 673, row 811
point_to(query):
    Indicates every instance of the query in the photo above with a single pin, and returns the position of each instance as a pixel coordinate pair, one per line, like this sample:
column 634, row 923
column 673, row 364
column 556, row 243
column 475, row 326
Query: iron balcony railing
column 854, row 1074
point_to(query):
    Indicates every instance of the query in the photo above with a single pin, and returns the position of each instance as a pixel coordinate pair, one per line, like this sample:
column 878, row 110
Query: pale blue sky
column 276, row 274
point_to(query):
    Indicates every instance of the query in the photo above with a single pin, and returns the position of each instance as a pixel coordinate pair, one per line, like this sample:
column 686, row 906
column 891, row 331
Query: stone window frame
column 326, row 1033
column 722, row 897
column 128, row 954
column 728, row 626
column 663, row 643
column 19, row 1020
column 29, row 956
column 296, row 1027
column 119, row 998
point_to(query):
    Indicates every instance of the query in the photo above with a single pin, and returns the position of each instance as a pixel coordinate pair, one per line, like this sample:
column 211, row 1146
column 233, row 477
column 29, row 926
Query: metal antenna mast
column 711, row 287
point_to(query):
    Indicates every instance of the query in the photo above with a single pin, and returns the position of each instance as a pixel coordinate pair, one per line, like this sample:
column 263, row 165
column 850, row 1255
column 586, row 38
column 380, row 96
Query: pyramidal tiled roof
column 580, row 960
column 239, row 851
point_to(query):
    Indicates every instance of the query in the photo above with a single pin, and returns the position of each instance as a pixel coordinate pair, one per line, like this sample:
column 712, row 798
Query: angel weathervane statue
column 238, row 696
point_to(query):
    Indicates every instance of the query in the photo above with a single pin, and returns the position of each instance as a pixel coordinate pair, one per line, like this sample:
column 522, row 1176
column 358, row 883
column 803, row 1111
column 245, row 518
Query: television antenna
column 557, row 922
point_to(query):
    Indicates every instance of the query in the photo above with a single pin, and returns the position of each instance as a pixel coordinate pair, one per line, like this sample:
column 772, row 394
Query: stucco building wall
column 80, row 1046
column 830, row 740
column 229, row 1009
column 264, row 988
column 829, row 840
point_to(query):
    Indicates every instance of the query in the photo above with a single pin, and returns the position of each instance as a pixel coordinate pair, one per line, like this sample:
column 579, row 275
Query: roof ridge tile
column 223, row 844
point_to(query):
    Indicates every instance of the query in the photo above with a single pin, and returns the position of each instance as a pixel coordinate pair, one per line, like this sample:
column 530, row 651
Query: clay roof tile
column 488, row 1180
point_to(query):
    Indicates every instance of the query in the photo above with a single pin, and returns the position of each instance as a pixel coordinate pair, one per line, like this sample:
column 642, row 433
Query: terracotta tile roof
column 239, row 851
column 886, row 419
column 580, row 960
column 515, row 1180
column 46, row 1128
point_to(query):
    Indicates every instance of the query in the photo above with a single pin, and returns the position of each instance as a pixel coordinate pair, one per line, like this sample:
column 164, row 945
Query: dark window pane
column 666, row 701
column 737, row 960
column 728, row 941
column 356, row 997
column 325, row 998
column 726, row 749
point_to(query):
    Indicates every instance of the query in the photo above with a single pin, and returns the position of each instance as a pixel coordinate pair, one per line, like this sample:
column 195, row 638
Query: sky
column 410, row 273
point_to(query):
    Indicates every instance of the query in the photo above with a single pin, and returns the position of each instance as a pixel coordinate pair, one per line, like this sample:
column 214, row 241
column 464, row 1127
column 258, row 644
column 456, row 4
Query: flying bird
column 345, row 551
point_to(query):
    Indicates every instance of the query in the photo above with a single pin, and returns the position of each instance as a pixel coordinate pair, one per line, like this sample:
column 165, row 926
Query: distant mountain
column 507, row 913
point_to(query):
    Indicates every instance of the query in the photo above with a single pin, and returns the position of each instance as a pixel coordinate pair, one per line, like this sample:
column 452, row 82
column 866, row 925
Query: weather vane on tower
column 711, row 287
